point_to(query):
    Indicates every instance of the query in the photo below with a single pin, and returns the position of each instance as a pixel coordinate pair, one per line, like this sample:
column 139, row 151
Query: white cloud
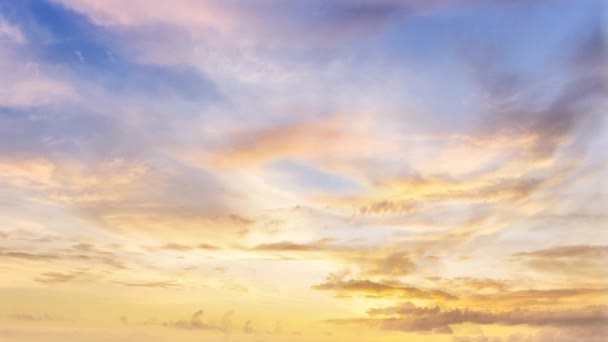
column 10, row 32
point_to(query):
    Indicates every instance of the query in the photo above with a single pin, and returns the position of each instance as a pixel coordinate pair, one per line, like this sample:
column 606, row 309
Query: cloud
column 395, row 264
column 226, row 324
column 29, row 256
column 161, row 148
column 10, row 32
column 305, row 139
column 584, row 263
column 33, row 92
column 588, row 334
column 248, row 327
column 538, row 298
column 21, row 316
column 80, row 253
column 312, row 22
column 153, row 284
column 288, row 246
column 70, row 180
column 185, row 248
column 560, row 120
column 438, row 321
column 50, row 278
column 90, row 50
column 381, row 290
column 412, row 194
column 560, row 252
column 27, row 83
column 195, row 322
column 404, row 309
column 181, row 222
column 476, row 284
column 118, row 195
column 389, row 207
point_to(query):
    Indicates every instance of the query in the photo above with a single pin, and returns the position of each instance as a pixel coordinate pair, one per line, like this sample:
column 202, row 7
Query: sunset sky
column 303, row 170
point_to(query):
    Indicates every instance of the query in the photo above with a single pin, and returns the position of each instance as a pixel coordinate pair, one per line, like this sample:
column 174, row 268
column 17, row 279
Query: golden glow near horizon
column 349, row 170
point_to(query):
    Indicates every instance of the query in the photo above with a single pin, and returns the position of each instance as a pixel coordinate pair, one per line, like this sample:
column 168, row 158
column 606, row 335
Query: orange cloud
column 381, row 290
column 438, row 321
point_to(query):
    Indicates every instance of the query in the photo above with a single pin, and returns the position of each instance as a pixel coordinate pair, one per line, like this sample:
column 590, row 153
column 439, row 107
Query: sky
column 303, row 170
